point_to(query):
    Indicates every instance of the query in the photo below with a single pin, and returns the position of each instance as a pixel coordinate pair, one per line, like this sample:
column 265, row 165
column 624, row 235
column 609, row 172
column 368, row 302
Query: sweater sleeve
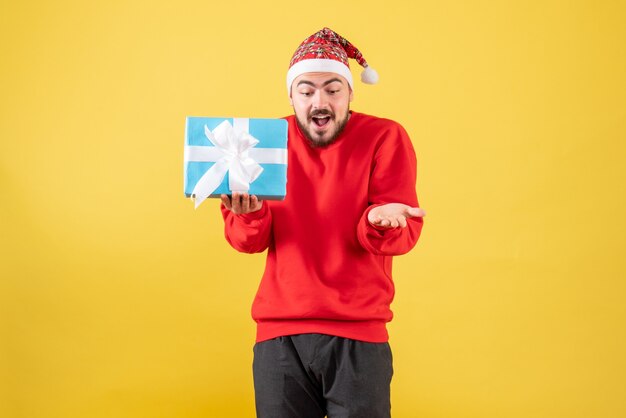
column 249, row 233
column 392, row 180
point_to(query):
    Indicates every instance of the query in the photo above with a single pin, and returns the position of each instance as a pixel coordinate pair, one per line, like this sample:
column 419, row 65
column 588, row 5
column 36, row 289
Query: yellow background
column 117, row 299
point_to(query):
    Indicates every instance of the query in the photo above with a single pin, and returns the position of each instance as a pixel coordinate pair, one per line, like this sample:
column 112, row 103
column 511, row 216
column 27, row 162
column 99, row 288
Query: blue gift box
column 207, row 142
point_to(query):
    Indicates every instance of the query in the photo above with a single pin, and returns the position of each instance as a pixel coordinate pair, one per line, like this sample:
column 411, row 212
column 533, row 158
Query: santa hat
column 326, row 51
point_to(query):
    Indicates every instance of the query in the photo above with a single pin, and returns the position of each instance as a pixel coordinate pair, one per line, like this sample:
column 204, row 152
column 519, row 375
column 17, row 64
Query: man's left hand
column 393, row 215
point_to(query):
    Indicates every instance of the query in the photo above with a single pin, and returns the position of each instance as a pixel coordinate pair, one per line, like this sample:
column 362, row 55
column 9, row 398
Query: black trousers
column 315, row 375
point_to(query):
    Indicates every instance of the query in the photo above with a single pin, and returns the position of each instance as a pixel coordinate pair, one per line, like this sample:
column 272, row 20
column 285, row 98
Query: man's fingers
column 236, row 202
column 254, row 202
column 393, row 215
column 241, row 203
column 245, row 203
column 226, row 201
column 416, row 212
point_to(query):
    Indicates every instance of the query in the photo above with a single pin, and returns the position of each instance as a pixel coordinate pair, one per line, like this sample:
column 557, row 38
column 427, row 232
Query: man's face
column 321, row 102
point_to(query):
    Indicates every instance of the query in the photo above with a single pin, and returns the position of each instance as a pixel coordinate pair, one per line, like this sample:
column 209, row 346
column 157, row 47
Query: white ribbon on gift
column 234, row 153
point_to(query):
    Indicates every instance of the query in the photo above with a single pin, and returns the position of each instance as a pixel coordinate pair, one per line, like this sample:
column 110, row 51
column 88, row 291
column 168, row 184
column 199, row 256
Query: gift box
column 225, row 155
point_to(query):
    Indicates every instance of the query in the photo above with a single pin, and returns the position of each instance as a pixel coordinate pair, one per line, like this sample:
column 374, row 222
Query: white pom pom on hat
column 369, row 75
column 327, row 51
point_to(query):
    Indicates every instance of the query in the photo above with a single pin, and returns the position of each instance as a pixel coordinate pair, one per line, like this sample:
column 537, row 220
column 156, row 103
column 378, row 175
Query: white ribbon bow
column 231, row 155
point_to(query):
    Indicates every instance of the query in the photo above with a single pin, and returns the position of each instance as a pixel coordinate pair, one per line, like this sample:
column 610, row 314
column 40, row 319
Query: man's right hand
column 241, row 203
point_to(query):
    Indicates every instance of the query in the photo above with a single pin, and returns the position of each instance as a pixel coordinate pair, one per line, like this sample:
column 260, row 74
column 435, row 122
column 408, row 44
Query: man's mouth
column 321, row 120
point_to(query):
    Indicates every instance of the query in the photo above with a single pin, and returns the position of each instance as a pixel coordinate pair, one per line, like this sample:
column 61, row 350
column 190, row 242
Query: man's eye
column 305, row 93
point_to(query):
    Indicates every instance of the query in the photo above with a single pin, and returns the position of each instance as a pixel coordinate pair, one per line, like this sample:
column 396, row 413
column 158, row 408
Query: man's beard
column 338, row 130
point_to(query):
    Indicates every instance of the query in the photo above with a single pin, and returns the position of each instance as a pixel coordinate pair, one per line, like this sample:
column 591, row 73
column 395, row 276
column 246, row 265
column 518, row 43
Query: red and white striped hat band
column 326, row 51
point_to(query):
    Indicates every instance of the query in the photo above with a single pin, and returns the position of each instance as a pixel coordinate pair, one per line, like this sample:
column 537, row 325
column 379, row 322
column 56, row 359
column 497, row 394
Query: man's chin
column 321, row 139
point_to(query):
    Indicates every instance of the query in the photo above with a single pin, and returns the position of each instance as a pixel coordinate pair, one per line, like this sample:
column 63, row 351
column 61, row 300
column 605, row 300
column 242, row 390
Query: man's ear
column 351, row 94
column 290, row 99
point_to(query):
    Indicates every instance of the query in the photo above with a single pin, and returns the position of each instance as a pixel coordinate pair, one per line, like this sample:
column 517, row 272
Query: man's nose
column 319, row 100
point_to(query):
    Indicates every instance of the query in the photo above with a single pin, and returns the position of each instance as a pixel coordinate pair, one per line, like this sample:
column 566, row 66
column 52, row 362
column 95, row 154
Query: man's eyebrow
column 305, row 82
column 327, row 82
column 332, row 80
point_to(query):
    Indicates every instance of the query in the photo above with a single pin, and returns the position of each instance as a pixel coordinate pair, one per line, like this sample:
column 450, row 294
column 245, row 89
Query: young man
column 324, row 299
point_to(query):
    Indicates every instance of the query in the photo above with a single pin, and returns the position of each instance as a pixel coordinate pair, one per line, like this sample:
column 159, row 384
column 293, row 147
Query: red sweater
column 328, row 269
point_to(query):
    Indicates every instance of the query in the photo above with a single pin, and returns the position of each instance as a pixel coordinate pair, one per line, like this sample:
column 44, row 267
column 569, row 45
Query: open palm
column 393, row 215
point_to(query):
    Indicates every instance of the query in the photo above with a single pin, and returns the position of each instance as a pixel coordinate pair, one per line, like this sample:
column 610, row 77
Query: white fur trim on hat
column 318, row 66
